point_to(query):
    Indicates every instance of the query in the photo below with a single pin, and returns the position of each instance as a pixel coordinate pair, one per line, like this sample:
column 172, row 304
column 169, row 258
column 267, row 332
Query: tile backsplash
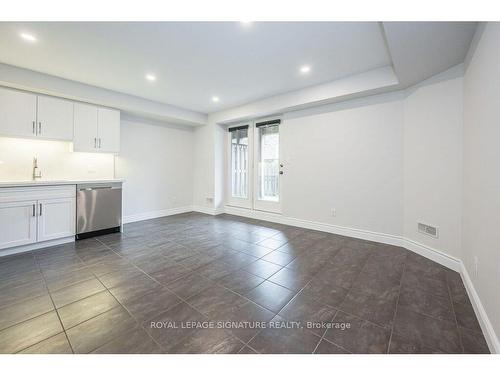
column 56, row 161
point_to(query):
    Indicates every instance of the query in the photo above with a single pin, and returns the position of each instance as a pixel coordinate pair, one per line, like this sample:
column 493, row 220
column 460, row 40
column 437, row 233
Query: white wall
column 209, row 165
column 55, row 161
column 203, row 189
column 433, row 125
column 157, row 163
column 383, row 162
column 155, row 159
column 349, row 157
column 481, row 175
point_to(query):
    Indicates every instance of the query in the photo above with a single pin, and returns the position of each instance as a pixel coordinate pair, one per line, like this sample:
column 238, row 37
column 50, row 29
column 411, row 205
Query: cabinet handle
column 40, row 213
column 39, row 128
column 33, row 210
column 95, row 142
column 33, row 127
column 99, row 142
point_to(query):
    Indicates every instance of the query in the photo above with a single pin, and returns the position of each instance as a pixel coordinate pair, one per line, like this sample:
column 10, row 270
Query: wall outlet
column 428, row 230
column 334, row 212
column 476, row 266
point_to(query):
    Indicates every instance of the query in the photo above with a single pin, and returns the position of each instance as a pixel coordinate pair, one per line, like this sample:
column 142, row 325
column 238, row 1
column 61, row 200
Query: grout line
column 179, row 297
column 455, row 314
column 123, row 306
column 208, row 230
column 55, row 308
column 332, row 306
column 396, row 309
column 293, row 298
column 340, row 303
column 323, row 338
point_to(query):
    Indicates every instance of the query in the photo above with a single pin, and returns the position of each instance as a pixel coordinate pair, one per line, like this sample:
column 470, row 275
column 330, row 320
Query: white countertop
column 5, row 184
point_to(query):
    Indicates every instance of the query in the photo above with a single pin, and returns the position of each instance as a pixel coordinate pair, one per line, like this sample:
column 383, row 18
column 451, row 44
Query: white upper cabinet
column 17, row 113
column 24, row 114
column 108, row 125
column 96, row 129
column 27, row 115
column 85, row 128
column 55, row 118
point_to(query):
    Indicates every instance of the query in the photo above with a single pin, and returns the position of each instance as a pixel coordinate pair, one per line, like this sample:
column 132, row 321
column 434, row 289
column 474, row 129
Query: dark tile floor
column 275, row 288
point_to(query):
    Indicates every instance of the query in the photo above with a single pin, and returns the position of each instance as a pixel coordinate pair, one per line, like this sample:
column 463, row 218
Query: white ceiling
column 239, row 63
column 195, row 61
column 422, row 49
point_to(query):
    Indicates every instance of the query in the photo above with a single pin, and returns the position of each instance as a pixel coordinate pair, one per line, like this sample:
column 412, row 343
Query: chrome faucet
column 36, row 172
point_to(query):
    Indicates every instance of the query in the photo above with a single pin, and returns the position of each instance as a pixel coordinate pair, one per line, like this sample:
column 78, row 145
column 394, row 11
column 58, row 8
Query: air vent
column 428, row 230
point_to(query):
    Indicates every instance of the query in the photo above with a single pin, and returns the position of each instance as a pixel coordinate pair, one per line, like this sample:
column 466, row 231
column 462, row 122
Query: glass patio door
column 253, row 166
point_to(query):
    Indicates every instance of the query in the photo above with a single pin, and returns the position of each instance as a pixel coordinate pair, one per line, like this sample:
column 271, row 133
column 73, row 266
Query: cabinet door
column 17, row 113
column 56, row 218
column 85, row 127
column 55, row 118
column 109, row 130
column 17, row 223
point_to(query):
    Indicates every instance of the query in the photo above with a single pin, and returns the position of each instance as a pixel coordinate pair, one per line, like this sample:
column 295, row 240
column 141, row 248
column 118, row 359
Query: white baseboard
column 36, row 246
column 426, row 251
column 421, row 249
column 155, row 214
column 390, row 239
column 207, row 210
column 432, row 254
column 484, row 321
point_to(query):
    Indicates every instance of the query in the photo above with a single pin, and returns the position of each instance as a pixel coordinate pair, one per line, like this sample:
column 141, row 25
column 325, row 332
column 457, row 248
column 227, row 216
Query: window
column 268, row 162
column 239, row 162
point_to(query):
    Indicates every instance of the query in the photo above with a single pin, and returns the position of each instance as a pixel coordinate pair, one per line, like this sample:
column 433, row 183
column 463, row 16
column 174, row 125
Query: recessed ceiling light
column 151, row 77
column 305, row 69
column 215, row 99
column 28, row 37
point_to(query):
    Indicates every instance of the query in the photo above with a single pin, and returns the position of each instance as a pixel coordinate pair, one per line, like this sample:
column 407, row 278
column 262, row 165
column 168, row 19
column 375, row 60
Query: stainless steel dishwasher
column 98, row 209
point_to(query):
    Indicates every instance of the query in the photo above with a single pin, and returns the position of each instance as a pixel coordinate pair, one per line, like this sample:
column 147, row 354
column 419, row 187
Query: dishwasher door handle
column 100, row 188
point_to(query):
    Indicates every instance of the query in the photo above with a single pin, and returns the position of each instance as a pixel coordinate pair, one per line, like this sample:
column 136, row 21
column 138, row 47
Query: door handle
column 40, row 213
column 34, row 127
column 39, row 127
column 95, row 142
column 99, row 188
column 34, row 208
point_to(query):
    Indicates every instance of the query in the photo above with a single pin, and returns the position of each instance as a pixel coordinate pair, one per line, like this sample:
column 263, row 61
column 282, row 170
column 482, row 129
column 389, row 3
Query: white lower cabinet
column 36, row 214
column 17, row 223
column 56, row 218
